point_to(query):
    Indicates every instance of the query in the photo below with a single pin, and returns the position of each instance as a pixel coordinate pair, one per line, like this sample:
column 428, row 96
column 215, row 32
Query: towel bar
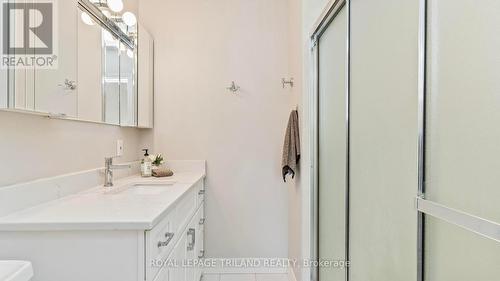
column 483, row 227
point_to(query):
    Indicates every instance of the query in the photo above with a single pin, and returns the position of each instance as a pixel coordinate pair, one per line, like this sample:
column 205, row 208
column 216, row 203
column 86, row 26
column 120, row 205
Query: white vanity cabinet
column 188, row 249
column 177, row 241
column 78, row 250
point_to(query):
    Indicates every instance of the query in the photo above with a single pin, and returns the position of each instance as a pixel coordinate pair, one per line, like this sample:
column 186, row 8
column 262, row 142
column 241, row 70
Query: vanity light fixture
column 115, row 5
column 87, row 19
column 129, row 19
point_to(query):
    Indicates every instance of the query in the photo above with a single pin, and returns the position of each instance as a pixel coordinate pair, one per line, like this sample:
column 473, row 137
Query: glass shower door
column 462, row 156
column 332, row 146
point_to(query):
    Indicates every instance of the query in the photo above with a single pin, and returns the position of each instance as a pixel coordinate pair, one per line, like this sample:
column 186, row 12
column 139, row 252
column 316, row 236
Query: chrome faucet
column 108, row 170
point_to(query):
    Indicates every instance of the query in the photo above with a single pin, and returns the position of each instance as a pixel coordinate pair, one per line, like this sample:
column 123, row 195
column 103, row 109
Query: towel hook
column 233, row 88
column 290, row 82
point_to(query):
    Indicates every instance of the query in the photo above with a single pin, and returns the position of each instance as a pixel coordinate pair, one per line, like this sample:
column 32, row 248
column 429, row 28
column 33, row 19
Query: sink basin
column 143, row 188
column 150, row 188
column 16, row 271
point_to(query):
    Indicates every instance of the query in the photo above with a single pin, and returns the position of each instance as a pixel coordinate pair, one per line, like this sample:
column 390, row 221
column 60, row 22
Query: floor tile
column 211, row 277
column 237, row 277
column 271, row 277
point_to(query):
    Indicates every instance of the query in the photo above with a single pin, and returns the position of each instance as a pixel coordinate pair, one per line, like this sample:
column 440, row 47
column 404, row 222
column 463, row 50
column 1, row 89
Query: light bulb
column 130, row 53
column 115, row 5
column 87, row 19
column 129, row 18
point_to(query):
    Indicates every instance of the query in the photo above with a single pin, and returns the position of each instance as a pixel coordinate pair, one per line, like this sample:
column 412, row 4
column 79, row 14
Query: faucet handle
column 108, row 160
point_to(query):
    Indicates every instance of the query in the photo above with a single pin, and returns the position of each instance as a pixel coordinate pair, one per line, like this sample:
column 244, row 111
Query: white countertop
column 94, row 209
column 15, row 271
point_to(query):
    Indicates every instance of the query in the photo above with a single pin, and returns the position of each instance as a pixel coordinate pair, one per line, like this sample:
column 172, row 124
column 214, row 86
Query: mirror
column 128, row 86
column 52, row 89
column 95, row 74
column 111, row 78
column 3, row 89
column 90, row 71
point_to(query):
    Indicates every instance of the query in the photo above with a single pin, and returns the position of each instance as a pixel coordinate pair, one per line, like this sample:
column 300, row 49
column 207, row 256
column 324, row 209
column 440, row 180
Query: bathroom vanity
column 140, row 229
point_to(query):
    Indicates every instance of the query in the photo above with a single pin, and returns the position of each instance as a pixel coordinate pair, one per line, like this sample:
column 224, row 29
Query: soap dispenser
column 146, row 165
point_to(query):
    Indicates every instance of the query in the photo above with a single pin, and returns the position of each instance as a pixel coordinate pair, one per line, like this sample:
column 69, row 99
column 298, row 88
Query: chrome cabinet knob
column 169, row 237
column 202, row 221
column 202, row 254
column 191, row 232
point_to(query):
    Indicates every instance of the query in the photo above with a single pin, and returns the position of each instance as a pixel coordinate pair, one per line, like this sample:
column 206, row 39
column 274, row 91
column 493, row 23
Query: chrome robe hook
column 233, row 88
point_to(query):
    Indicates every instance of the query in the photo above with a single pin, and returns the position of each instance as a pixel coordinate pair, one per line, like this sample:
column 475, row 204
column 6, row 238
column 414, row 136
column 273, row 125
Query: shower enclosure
column 456, row 220
column 460, row 109
column 331, row 142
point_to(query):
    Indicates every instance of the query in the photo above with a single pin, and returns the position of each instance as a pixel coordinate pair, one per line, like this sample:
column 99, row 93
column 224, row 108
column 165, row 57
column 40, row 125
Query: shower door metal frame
column 480, row 226
column 422, row 59
column 326, row 18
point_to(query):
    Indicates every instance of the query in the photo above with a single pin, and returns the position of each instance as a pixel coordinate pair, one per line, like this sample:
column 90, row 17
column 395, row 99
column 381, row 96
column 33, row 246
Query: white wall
column 33, row 147
column 295, row 44
column 200, row 47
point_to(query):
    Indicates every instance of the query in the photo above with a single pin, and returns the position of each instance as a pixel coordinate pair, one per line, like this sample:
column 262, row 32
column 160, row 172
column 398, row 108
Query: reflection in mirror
column 89, row 69
column 111, row 78
column 95, row 78
column 3, row 82
column 22, row 79
column 3, row 88
column 128, row 99
column 56, row 89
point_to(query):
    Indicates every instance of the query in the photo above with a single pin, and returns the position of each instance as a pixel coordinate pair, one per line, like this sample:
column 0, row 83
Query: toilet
column 16, row 271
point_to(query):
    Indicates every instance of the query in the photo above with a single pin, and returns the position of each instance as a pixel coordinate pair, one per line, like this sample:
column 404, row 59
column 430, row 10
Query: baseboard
column 258, row 266
column 259, row 270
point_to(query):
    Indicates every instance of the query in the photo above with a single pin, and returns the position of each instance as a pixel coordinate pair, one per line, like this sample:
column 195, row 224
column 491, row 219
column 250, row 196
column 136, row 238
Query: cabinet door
column 145, row 91
column 178, row 272
column 163, row 275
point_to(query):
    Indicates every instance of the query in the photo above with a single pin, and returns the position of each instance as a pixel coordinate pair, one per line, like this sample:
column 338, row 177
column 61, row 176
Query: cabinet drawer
column 163, row 275
column 200, row 191
column 162, row 237
column 160, row 242
column 200, row 246
column 185, row 209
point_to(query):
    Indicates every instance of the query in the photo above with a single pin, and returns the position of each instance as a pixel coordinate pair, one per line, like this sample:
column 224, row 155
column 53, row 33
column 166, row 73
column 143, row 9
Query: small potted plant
column 157, row 161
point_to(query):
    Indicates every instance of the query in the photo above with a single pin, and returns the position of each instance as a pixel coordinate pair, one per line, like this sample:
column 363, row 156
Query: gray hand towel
column 291, row 148
column 162, row 173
